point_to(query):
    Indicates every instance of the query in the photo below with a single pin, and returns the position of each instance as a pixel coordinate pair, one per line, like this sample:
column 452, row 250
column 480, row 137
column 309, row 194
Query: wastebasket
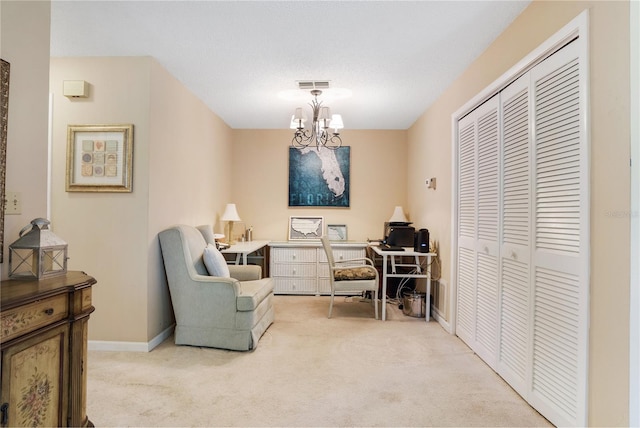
column 414, row 305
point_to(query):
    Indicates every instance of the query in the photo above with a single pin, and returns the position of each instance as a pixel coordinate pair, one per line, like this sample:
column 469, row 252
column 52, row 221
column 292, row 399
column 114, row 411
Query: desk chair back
column 351, row 275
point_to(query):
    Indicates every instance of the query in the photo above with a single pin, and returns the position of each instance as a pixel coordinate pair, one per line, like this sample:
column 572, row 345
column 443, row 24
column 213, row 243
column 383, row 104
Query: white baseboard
column 435, row 313
column 443, row 322
column 101, row 345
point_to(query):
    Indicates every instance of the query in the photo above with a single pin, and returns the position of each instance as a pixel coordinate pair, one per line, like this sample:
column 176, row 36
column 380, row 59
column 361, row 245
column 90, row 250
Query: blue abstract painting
column 319, row 177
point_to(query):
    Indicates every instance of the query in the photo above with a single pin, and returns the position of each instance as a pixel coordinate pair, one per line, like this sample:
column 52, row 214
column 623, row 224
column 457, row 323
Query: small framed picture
column 337, row 232
column 305, row 227
column 99, row 158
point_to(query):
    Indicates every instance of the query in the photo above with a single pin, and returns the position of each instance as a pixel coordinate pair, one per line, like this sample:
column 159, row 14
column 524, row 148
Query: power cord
column 435, row 262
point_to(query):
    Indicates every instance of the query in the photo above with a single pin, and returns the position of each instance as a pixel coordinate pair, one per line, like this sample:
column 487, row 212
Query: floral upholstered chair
column 351, row 275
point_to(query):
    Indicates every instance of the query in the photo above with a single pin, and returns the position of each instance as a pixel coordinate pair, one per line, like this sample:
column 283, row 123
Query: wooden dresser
column 43, row 342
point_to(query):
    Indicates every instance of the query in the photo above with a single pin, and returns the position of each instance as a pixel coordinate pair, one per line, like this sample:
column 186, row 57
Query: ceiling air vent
column 310, row 84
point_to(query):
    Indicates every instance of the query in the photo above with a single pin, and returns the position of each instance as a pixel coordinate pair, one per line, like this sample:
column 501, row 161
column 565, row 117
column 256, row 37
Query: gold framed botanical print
column 99, row 158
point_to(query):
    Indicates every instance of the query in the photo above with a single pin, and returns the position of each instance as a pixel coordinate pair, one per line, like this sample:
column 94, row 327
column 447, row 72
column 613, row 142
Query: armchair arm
column 214, row 285
column 205, row 300
column 245, row 272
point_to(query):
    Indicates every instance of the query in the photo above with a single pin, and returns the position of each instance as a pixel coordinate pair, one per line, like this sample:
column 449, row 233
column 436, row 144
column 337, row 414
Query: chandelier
column 319, row 133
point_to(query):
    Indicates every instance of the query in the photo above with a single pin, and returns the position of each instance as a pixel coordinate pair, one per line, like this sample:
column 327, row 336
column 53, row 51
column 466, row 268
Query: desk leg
column 244, row 258
column 384, row 287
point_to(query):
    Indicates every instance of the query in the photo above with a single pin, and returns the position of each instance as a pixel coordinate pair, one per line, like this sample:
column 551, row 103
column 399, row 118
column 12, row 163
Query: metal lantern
column 38, row 253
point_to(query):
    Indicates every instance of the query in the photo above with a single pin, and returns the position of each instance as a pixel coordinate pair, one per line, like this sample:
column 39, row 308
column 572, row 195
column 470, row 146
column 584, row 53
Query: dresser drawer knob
column 48, row 311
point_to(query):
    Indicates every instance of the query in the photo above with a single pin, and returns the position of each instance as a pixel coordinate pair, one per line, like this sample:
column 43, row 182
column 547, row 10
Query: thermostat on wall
column 75, row 88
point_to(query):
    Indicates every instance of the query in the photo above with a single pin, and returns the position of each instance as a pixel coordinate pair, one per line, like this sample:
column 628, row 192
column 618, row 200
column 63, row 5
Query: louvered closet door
column 523, row 243
column 560, row 260
column 487, row 238
column 478, row 207
column 515, row 301
column 467, row 229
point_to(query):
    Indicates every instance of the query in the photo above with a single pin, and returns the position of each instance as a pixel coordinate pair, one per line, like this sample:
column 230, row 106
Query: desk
column 409, row 252
column 243, row 249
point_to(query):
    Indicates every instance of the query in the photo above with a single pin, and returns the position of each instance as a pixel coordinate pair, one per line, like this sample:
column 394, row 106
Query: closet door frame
column 634, row 285
column 577, row 28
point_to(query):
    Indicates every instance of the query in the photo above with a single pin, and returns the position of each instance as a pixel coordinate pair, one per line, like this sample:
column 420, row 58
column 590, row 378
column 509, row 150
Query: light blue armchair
column 228, row 313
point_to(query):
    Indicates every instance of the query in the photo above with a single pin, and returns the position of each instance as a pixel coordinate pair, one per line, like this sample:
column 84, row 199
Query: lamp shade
column 325, row 113
column 398, row 216
column 230, row 213
column 298, row 119
column 336, row 122
column 299, row 115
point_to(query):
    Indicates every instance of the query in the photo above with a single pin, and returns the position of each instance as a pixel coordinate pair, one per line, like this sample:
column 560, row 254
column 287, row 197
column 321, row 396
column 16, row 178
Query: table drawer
column 86, row 299
column 25, row 319
column 303, row 270
column 298, row 255
column 295, row 286
column 344, row 254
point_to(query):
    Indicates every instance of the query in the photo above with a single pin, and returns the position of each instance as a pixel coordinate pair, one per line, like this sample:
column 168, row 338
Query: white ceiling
column 396, row 56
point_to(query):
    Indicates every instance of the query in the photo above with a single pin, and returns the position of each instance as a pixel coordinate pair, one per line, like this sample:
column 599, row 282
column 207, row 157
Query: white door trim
column 577, row 27
column 634, row 286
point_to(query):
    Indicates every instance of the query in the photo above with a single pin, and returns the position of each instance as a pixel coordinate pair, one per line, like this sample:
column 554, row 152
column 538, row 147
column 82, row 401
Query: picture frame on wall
column 99, row 158
column 319, row 177
column 337, row 232
column 306, row 227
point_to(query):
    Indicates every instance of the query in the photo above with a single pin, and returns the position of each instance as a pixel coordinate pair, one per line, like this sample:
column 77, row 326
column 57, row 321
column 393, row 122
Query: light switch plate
column 13, row 203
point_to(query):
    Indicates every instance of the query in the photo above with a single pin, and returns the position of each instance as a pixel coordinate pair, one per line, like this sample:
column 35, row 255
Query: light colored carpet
column 350, row 370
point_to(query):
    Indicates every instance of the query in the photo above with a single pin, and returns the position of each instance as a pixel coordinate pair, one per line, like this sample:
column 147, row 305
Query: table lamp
column 230, row 215
column 398, row 216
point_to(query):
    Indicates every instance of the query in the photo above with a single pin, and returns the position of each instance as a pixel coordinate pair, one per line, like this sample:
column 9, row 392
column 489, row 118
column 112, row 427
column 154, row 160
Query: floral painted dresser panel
column 43, row 343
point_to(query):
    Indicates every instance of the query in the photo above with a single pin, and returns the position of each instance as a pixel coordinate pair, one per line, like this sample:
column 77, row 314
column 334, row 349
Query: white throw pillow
column 215, row 262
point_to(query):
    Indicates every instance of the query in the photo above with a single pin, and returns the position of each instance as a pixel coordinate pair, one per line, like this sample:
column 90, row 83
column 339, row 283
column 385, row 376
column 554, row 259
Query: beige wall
column 185, row 171
column 106, row 232
column 430, row 145
column 260, row 182
column 113, row 236
column 189, row 157
column 130, row 278
column 24, row 43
